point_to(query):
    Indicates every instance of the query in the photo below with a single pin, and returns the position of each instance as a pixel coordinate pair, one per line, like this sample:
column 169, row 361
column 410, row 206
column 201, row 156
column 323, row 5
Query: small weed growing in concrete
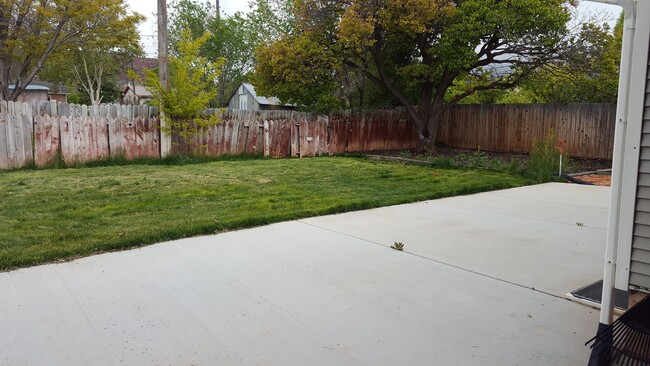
column 580, row 223
column 398, row 246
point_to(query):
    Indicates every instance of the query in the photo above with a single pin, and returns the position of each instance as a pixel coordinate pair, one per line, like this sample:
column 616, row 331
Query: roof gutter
column 607, row 306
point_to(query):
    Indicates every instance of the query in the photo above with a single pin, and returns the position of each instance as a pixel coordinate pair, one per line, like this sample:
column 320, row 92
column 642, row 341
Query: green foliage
column 94, row 70
column 513, row 168
column 587, row 70
column 519, row 95
column 233, row 38
column 230, row 39
column 544, row 161
column 476, row 160
column 118, row 207
column 470, row 160
column 191, row 87
column 35, row 32
column 297, row 70
column 269, row 20
column 94, row 90
column 425, row 54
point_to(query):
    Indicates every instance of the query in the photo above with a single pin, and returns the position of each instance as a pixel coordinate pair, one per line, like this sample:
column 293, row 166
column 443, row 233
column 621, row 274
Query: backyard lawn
column 58, row 214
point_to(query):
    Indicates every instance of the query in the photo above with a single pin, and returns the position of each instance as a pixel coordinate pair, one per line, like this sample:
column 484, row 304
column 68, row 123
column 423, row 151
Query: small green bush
column 544, row 161
column 513, row 168
column 475, row 160
column 405, row 154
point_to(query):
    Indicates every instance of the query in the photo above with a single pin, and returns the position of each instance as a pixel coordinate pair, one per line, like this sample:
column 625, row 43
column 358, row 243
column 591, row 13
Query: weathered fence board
column 16, row 133
column 46, row 131
column 4, row 142
column 279, row 137
column 588, row 129
column 309, row 137
column 46, row 139
column 338, row 133
column 378, row 130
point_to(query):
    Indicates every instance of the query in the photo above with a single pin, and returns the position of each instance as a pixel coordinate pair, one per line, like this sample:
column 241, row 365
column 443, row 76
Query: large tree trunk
column 429, row 133
column 429, row 114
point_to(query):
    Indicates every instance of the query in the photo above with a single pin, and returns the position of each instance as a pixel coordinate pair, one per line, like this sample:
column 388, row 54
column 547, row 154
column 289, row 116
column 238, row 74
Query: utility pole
column 163, row 71
column 162, row 44
column 218, row 9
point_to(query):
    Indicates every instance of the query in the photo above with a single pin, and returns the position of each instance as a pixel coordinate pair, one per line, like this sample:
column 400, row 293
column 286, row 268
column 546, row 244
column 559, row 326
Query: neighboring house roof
column 54, row 88
column 260, row 99
column 138, row 90
column 31, row 87
column 138, row 65
column 142, row 91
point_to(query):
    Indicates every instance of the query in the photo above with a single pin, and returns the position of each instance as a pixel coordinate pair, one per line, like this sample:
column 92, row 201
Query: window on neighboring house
column 243, row 102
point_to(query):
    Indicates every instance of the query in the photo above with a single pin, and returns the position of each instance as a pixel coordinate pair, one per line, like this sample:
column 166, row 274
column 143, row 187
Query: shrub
column 543, row 162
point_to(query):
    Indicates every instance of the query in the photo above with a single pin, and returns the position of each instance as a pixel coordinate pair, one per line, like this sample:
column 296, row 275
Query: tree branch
column 498, row 84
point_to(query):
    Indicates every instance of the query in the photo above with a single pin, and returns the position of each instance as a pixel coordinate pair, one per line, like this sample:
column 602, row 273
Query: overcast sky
column 148, row 8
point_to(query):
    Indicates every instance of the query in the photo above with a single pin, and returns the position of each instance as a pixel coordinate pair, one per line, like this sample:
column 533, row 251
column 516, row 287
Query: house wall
column 640, row 256
column 29, row 96
column 630, row 242
column 129, row 97
column 243, row 94
column 59, row 98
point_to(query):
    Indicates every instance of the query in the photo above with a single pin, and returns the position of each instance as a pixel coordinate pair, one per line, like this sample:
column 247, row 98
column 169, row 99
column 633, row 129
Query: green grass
column 59, row 214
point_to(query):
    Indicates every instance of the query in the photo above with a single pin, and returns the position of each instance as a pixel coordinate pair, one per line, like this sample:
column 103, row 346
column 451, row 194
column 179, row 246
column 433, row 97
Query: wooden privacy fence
column 297, row 134
column 274, row 133
column 370, row 131
column 588, row 129
column 46, row 131
column 81, row 133
column 16, row 131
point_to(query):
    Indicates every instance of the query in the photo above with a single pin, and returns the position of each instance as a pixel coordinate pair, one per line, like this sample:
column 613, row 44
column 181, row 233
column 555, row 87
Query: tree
column 32, row 31
column 93, row 71
column 586, row 71
column 269, row 20
column 427, row 54
column 232, row 37
column 298, row 70
column 191, row 86
column 229, row 39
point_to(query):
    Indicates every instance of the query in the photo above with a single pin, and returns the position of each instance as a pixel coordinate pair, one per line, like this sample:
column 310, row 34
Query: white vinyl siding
column 640, row 260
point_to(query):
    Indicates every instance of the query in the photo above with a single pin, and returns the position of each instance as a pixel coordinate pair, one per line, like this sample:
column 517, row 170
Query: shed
column 32, row 93
column 245, row 98
column 56, row 92
column 135, row 95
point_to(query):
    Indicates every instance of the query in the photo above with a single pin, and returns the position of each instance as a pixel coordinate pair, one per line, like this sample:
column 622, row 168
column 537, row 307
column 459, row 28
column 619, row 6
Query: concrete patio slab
column 550, row 237
column 329, row 291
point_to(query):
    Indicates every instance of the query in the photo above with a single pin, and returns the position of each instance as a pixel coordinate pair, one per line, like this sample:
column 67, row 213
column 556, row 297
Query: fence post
column 165, row 138
column 267, row 140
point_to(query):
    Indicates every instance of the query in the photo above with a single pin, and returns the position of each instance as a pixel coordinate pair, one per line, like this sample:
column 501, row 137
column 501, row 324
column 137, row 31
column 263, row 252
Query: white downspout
column 607, row 305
